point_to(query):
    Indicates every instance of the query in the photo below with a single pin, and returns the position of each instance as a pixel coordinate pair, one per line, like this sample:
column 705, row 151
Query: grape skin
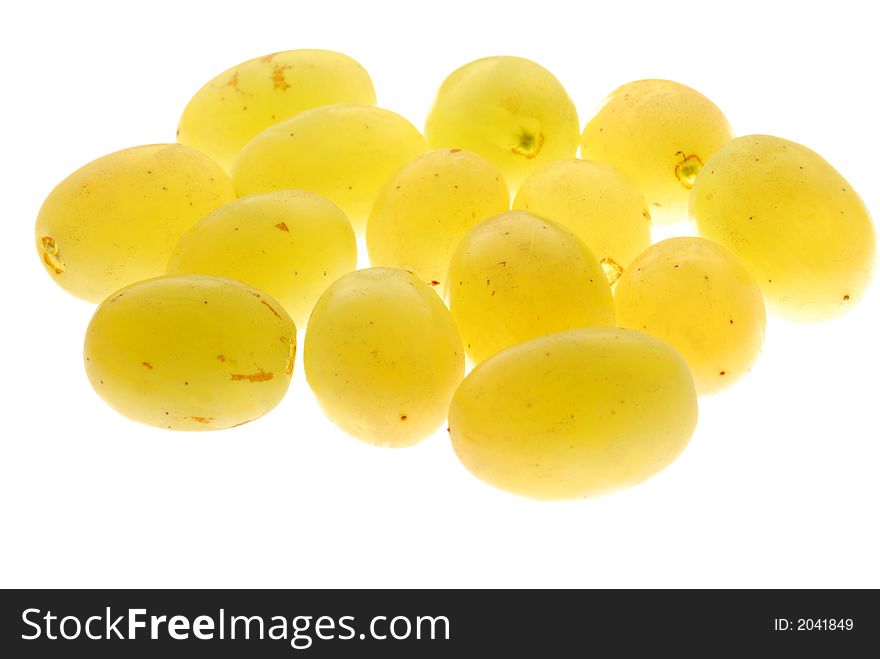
column 345, row 153
column 291, row 244
column 517, row 276
column 795, row 222
column 428, row 206
column 574, row 414
column 114, row 221
column 190, row 352
column 383, row 357
column 510, row 110
column 699, row 298
column 597, row 203
column 658, row 133
column 232, row 108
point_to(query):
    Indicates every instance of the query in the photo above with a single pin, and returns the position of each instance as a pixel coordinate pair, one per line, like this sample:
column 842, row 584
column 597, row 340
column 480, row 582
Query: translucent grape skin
column 345, row 153
column 517, row 276
column 244, row 100
column 428, row 206
column 793, row 220
column 659, row 133
column 597, row 203
column 114, row 221
column 574, row 414
column 190, row 352
column 291, row 244
column 383, row 357
column 510, row 110
column 699, row 298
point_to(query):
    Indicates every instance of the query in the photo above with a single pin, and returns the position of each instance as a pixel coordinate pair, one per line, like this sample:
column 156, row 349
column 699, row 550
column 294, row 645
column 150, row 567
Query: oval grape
column 574, row 414
column 190, row 352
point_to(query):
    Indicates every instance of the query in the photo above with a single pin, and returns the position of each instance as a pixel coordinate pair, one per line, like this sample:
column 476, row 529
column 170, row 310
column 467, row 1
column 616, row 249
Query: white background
column 779, row 486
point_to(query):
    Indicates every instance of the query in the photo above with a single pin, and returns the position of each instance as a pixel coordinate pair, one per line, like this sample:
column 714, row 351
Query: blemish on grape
column 259, row 376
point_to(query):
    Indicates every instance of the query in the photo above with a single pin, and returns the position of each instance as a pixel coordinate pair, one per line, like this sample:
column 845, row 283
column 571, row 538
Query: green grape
column 190, row 352
column 231, row 109
column 508, row 109
column 343, row 152
column 796, row 223
column 291, row 244
column 517, row 276
column 115, row 221
column 699, row 298
column 597, row 203
column 574, row 414
column 658, row 133
column 383, row 357
column 428, row 206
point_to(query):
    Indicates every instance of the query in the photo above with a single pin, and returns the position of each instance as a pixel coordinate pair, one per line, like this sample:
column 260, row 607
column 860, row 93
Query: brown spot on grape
column 221, row 358
column 52, row 255
column 612, row 269
column 281, row 226
column 846, row 298
column 503, row 264
column 147, row 365
column 259, row 376
column 233, row 80
column 687, row 169
column 722, row 373
column 278, row 80
column 202, row 419
column 646, row 214
column 434, row 282
column 265, row 303
column 291, row 357
column 268, row 58
column 403, row 417
column 454, row 150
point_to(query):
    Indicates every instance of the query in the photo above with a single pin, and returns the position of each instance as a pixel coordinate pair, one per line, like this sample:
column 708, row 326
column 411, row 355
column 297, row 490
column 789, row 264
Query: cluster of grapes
column 590, row 343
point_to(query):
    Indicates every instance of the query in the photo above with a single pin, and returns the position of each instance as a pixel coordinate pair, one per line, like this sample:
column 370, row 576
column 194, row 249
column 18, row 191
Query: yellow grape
column 597, row 203
column 699, row 298
column 343, row 152
column 574, row 414
column 291, row 244
column 428, row 206
column 190, row 352
column 508, row 109
column 383, row 357
column 658, row 133
column 795, row 222
column 115, row 220
column 517, row 276
column 231, row 109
